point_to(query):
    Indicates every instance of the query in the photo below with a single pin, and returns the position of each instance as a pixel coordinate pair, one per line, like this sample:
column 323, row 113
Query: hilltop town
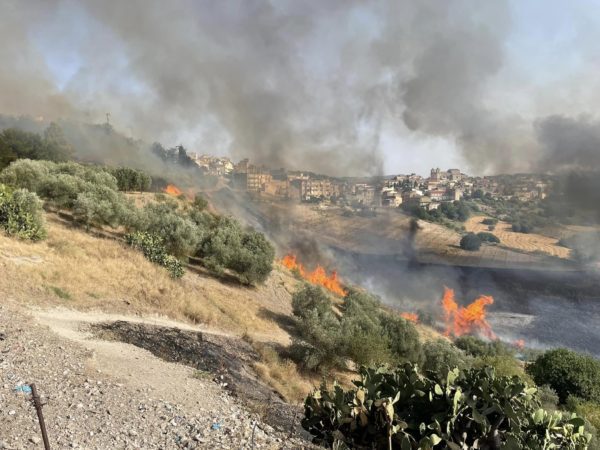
column 402, row 190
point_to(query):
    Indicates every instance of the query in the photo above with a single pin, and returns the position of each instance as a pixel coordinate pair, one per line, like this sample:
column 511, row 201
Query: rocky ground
column 111, row 395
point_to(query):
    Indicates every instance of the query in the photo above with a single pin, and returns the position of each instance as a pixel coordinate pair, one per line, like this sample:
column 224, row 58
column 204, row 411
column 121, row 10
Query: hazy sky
column 345, row 87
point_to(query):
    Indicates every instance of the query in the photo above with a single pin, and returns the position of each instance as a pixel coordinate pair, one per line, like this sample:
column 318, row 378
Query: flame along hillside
column 173, row 190
column 460, row 320
column 318, row 276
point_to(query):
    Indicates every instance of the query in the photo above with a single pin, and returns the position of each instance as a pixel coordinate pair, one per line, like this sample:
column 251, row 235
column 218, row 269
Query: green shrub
column 18, row 144
column 100, row 205
column 569, row 373
column 154, row 250
column 21, row 214
column 129, row 179
column 180, row 235
column 310, row 297
column 364, row 333
column 505, row 365
column 403, row 409
column 474, row 346
column 471, row 242
column 200, row 203
column 321, row 344
column 403, row 338
column 522, row 227
column 227, row 246
column 548, row 397
column 440, row 356
column 489, row 221
column 488, row 237
column 26, row 174
column 322, row 341
column 253, row 260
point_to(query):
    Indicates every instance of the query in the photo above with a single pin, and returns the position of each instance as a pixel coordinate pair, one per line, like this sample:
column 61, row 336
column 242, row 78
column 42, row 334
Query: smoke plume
column 290, row 84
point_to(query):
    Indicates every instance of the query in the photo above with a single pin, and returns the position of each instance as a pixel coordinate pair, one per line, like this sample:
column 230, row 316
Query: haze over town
column 392, row 87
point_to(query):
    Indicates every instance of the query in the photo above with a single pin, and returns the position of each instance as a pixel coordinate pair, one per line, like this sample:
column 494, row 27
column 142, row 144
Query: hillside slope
column 75, row 269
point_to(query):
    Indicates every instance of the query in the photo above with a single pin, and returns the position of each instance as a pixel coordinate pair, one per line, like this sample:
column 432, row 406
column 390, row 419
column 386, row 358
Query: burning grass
column 318, row 276
column 470, row 319
column 411, row 317
column 171, row 189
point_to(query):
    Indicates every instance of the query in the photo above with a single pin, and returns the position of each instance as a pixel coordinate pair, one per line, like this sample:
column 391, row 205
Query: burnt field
column 546, row 308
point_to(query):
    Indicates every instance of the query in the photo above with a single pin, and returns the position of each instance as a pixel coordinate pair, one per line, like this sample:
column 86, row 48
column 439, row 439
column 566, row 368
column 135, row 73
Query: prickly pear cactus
column 404, row 409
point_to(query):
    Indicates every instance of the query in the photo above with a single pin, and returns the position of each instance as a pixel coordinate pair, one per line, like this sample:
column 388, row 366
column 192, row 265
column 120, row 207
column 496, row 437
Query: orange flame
column 466, row 320
column 318, row 276
column 171, row 189
column 411, row 317
column 519, row 343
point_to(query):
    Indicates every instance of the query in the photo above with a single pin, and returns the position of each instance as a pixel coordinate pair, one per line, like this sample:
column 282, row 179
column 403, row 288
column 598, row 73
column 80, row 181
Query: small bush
column 505, row 365
column 403, row 339
column 478, row 348
column 470, row 242
column 200, row 203
column 179, row 234
column 488, row 237
column 522, row 227
column 569, row 373
column 440, row 356
column 154, row 250
column 61, row 293
column 21, row 214
column 321, row 347
column 227, row 246
column 489, row 221
column 100, row 205
column 129, row 179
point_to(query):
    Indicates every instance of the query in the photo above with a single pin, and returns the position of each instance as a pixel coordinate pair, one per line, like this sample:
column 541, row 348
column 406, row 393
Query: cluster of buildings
column 376, row 192
column 212, row 165
column 400, row 190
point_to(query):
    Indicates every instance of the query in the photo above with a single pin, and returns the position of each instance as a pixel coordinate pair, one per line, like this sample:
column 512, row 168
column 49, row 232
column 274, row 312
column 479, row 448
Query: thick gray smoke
column 295, row 84
column 569, row 142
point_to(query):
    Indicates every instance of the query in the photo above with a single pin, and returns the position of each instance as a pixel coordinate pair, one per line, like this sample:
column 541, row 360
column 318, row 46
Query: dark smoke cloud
column 569, row 142
column 570, row 147
column 296, row 84
column 289, row 84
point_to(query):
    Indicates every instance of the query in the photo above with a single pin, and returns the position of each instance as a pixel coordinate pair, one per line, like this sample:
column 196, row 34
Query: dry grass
column 530, row 242
column 85, row 272
column 75, row 269
column 283, row 375
column 385, row 234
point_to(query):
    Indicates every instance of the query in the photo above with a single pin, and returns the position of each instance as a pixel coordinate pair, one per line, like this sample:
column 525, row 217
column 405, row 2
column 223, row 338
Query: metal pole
column 38, row 407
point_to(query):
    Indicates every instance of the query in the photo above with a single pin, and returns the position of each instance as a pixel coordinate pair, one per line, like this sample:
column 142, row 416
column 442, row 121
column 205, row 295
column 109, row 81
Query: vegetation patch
column 405, row 409
column 470, row 242
column 21, row 214
column 61, row 293
column 154, row 250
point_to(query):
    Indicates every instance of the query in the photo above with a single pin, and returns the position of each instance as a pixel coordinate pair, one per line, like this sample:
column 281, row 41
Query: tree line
column 178, row 228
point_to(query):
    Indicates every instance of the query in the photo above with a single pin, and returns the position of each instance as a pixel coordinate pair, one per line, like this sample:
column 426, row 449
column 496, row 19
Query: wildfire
column 519, row 343
column 318, row 276
column 411, row 317
column 466, row 320
column 171, row 189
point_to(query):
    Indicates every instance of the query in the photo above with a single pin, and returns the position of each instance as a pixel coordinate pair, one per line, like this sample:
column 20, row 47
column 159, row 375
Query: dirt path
column 107, row 394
